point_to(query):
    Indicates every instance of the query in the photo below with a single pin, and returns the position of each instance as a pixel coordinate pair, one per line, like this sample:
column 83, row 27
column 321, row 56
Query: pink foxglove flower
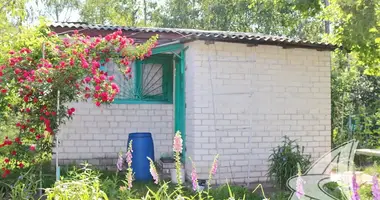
column 177, row 143
column 300, row 192
column 153, row 171
column 119, row 163
column 213, row 169
column 375, row 188
column 214, row 166
column 128, row 155
column 299, row 183
column 129, row 180
column 194, row 177
column 355, row 188
column 129, row 175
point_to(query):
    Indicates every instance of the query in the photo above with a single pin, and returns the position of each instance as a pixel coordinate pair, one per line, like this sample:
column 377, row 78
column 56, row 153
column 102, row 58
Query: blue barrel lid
column 140, row 135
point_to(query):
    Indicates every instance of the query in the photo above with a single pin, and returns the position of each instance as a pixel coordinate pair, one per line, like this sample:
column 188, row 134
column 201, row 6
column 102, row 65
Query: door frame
column 179, row 59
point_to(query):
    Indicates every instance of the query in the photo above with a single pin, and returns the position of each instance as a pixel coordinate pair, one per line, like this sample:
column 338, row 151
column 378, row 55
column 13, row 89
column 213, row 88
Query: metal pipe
column 57, row 173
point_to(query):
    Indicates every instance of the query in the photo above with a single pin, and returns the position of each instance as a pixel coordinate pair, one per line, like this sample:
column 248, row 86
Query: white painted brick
column 87, row 136
column 80, row 143
column 108, row 150
column 284, row 101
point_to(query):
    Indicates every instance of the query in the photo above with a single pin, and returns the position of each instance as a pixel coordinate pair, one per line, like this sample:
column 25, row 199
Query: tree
column 120, row 12
column 180, row 14
column 60, row 10
column 227, row 15
column 356, row 26
column 295, row 18
column 12, row 14
column 355, row 72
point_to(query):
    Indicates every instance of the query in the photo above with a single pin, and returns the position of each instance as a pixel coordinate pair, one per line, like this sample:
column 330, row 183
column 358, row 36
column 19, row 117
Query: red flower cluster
column 70, row 111
column 6, row 142
column 6, row 172
column 37, row 80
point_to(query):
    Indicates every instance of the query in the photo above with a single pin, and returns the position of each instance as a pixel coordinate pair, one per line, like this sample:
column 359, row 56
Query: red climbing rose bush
column 43, row 73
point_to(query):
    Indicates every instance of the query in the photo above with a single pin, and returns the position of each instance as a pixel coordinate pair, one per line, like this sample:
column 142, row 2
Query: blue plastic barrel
column 142, row 146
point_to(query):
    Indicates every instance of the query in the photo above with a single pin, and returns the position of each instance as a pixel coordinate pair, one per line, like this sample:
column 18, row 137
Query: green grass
column 110, row 186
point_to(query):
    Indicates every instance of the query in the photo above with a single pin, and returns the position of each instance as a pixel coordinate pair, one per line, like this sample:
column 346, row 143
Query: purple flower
column 375, row 188
column 119, row 163
column 355, row 188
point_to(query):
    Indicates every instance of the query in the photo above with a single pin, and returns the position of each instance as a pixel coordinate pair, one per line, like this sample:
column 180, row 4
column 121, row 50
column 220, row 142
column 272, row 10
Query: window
column 151, row 80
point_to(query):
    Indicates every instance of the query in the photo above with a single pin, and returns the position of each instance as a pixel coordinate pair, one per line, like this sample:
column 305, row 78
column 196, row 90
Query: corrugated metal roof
column 228, row 36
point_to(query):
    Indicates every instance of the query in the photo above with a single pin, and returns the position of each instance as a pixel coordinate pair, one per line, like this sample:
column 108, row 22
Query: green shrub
column 21, row 186
column 280, row 195
column 333, row 189
column 365, row 192
column 82, row 184
column 283, row 162
column 238, row 192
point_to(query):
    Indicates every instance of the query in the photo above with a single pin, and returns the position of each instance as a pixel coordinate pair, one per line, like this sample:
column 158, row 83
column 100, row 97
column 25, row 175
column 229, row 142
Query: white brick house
column 241, row 93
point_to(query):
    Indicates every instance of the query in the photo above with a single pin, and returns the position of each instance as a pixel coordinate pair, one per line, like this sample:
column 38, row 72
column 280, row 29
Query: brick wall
column 231, row 88
column 97, row 134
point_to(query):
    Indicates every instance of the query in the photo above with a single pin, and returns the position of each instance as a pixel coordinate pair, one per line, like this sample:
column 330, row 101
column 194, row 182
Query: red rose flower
column 13, row 152
column 127, row 70
column 87, row 79
column 6, row 172
column 70, row 111
column 38, row 136
column 32, row 147
column 84, row 64
column 95, row 64
column 72, row 62
column 21, row 165
column 26, row 99
column 6, row 160
column 17, row 71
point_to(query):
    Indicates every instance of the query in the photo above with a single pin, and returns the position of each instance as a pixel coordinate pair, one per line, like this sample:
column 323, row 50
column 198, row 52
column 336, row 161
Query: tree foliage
column 119, row 12
column 60, row 10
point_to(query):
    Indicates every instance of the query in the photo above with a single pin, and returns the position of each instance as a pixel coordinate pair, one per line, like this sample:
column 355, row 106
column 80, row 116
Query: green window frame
column 164, row 61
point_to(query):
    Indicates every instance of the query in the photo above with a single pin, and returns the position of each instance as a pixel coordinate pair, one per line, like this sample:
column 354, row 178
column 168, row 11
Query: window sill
column 123, row 101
